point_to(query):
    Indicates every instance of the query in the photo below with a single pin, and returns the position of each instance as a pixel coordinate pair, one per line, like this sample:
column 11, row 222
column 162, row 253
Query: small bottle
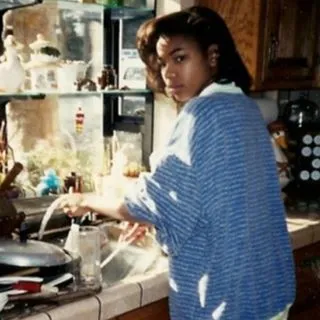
column 108, row 78
column 79, row 119
column 111, row 77
column 115, row 3
column 73, row 181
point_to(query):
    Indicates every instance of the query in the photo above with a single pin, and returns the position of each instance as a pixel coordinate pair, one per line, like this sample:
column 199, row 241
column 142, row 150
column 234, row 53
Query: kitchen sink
column 133, row 260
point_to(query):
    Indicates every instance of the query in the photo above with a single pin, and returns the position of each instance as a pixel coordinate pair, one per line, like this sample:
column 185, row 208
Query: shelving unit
column 41, row 94
column 113, row 22
column 112, row 100
column 14, row 4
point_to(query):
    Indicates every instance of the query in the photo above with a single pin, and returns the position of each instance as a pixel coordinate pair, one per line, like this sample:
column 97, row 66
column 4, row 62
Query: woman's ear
column 213, row 55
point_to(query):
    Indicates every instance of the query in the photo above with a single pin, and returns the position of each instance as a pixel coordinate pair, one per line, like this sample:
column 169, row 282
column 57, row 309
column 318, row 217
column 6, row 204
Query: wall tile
column 301, row 235
column 79, row 310
column 119, row 299
column 40, row 316
column 154, row 288
column 316, row 233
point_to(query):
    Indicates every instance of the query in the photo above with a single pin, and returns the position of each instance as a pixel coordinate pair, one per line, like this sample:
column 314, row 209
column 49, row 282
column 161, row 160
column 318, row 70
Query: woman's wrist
column 88, row 202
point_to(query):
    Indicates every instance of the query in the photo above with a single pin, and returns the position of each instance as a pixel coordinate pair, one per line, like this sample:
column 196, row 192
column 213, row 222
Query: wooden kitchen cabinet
column 277, row 39
column 158, row 310
column 307, row 266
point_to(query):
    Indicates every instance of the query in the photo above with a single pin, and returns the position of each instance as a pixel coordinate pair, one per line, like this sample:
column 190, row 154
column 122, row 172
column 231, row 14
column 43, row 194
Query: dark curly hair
column 204, row 26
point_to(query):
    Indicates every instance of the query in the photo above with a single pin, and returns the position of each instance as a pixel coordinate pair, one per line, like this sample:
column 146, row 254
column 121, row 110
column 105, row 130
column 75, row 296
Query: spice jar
column 111, row 3
column 108, row 78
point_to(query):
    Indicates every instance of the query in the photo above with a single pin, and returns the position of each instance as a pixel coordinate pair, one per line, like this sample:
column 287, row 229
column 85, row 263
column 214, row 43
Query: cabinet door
column 243, row 19
column 289, row 43
column 307, row 267
column 158, row 310
column 276, row 39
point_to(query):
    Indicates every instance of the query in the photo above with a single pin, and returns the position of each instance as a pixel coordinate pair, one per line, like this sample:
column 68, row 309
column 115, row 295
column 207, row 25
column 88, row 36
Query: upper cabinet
column 277, row 39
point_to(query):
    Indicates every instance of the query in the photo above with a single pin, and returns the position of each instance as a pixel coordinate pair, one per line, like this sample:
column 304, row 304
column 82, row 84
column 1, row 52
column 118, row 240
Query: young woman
column 213, row 196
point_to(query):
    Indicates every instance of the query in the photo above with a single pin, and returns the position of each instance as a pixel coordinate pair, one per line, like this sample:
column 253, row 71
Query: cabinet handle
column 273, row 49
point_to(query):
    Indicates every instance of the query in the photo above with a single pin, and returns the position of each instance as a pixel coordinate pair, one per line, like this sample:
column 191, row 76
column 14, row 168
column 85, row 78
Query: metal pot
column 40, row 258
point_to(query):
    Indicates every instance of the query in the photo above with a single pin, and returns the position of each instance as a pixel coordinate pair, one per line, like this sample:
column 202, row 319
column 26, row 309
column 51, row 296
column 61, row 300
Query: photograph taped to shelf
column 133, row 106
column 132, row 70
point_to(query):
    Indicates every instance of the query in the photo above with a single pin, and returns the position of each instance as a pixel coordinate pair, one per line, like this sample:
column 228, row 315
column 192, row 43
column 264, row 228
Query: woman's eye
column 161, row 63
column 179, row 59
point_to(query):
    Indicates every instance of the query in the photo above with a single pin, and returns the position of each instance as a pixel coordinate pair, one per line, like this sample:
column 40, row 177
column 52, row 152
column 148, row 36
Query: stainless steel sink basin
column 131, row 261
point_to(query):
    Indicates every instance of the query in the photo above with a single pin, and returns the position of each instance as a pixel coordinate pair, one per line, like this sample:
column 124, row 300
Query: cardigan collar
column 218, row 88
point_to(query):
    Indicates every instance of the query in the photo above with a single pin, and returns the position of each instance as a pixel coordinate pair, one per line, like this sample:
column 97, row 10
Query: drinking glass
column 89, row 250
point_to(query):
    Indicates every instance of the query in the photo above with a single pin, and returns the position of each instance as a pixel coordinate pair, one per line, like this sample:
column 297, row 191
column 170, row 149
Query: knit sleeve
column 169, row 197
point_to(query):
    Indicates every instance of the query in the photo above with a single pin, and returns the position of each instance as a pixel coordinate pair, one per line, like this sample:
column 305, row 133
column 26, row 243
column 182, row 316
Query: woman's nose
column 169, row 72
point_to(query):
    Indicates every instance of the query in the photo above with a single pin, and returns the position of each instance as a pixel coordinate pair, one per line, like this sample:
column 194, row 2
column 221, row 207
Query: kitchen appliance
column 302, row 118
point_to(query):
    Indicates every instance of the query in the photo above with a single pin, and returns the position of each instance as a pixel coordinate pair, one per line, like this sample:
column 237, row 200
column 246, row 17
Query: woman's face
column 185, row 70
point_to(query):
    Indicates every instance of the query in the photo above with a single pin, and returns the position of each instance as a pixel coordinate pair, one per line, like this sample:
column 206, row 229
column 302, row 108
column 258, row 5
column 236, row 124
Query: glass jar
column 111, row 3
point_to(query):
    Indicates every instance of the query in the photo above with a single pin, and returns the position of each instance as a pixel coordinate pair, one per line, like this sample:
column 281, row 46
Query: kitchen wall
column 270, row 102
column 165, row 112
column 167, row 6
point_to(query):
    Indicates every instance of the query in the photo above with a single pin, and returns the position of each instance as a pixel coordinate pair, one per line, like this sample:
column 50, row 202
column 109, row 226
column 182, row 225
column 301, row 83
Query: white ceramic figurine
column 12, row 73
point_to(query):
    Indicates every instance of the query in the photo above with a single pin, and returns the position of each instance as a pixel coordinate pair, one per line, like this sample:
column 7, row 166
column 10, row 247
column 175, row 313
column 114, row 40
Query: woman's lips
column 175, row 88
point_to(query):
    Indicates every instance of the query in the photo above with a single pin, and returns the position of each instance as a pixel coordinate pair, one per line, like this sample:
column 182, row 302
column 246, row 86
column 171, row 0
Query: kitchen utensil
column 11, row 175
column 22, row 255
column 13, row 279
column 64, row 296
column 61, row 280
column 31, row 285
column 123, row 242
column 27, row 286
column 10, row 219
column 3, row 300
column 31, row 253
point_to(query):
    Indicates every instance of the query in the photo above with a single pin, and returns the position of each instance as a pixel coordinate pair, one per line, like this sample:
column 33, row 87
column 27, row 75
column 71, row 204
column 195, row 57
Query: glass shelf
column 41, row 95
column 115, row 12
column 130, row 13
column 14, row 4
column 118, row 92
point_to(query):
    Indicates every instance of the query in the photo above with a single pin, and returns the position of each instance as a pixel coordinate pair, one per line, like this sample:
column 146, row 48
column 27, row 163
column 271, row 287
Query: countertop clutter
column 152, row 287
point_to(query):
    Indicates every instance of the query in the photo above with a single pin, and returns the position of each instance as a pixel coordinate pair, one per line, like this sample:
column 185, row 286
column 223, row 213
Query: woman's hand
column 135, row 231
column 78, row 204
column 74, row 204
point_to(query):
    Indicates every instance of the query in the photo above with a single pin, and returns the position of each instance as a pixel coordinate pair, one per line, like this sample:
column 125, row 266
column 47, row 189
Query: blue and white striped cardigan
column 214, row 198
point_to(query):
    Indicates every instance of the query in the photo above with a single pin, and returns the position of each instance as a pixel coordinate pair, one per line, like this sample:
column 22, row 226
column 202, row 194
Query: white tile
column 84, row 309
column 301, row 236
column 154, row 287
column 40, row 316
column 316, row 233
column 303, row 219
column 119, row 299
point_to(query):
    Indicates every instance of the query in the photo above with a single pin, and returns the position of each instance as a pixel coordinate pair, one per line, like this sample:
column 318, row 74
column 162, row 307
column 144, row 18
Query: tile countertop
column 141, row 290
column 304, row 228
